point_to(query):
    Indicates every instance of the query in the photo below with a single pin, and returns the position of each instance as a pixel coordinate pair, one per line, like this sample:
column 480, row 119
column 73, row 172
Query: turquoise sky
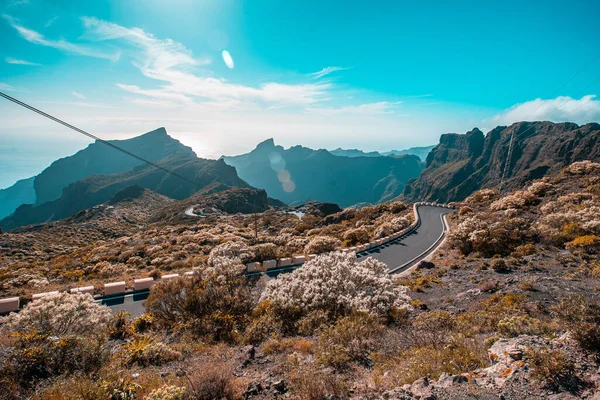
column 223, row 75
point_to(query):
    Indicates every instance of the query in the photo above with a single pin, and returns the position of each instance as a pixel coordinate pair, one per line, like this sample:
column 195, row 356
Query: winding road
column 399, row 255
column 403, row 253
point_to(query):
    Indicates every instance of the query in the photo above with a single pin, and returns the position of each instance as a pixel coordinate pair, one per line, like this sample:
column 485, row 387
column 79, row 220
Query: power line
column 112, row 145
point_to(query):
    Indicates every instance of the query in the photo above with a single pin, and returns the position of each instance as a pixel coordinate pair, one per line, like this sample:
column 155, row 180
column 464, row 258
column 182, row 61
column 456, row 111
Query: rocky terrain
column 299, row 174
column 461, row 164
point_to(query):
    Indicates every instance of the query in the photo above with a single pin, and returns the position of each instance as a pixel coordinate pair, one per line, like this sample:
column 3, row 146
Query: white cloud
column 61, row 44
column 50, row 22
column 379, row 108
column 560, row 109
column 78, row 95
column 4, row 86
column 10, row 60
column 327, row 71
column 172, row 63
column 227, row 59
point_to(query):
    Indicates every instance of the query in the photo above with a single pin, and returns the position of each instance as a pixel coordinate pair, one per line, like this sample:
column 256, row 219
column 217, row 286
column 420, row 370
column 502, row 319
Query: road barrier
column 12, row 304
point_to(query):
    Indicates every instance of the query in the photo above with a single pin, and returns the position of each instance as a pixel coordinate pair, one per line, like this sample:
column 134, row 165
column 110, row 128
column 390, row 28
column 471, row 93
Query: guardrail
column 111, row 289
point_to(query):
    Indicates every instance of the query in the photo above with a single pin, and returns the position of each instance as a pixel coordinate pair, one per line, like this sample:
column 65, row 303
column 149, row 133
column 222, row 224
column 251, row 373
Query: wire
column 114, row 146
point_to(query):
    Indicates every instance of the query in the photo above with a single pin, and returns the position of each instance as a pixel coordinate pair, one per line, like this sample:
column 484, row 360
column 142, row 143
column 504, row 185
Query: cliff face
column 462, row 164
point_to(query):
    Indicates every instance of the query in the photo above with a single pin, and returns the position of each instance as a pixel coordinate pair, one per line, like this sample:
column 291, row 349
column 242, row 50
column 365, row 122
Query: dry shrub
column 499, row 265
column 167, row 392
column 145, row 351
column 214, row 381
column 37, row 356
column 265, row 251
column 550, row 367
column 350, row 340
column 586, row 243
column 356, row 236
column 215, row 306
column 311, row 383
column 581, row 317
column 516, row 325
column 322, row 244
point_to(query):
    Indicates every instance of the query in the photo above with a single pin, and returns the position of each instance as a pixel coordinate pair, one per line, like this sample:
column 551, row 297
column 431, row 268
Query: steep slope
column 12, row 197
column 420, row 152
column 99, row 189
column 298, row 174
column 98, row 158
column 462, row 164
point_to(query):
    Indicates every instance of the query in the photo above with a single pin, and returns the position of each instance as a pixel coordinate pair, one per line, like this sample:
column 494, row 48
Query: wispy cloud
column 378, row 108
column 227, row 59
column 17, row 61
column 171, row 62
column 61, row 44
column 4, row 86
column 327, row 71
column 79, row 95
column 50, row 22
column 560, row 109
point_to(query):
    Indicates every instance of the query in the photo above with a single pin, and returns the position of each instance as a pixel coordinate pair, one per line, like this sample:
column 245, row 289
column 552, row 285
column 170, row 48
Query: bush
column 499, row 265
column 59, row 315
column 214, row 305
column 551, row 367
column 351, row 339
column 38, row 356
column 265, row 251
column 212, row 382
column 167, row 393
column 356, row 236
column 516, row 325
column 145, row 351
column 587, row 243
column 338, row 284
column 310, row 383
column 581, row 316
column 322, row 244
column 232, row 250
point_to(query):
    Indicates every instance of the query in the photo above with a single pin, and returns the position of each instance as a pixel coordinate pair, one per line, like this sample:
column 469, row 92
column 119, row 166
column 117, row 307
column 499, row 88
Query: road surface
column 404, row 250
column 397, row 253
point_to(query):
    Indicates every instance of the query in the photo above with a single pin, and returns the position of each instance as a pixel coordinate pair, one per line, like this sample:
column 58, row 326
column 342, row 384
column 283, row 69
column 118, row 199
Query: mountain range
column 464, row 163
column 299, row 174
column 420, row 152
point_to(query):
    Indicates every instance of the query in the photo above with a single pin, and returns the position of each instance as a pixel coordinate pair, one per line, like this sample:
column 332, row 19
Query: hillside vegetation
column 509, row 305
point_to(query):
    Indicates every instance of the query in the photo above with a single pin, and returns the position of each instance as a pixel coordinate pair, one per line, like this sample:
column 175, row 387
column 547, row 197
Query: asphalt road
column 401, row 251
column 393, row 254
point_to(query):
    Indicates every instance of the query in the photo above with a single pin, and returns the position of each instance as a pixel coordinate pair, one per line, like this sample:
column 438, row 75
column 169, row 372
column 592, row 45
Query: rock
column 425, row 265
column 515, row 354
column 280, row 386
column 253, row 389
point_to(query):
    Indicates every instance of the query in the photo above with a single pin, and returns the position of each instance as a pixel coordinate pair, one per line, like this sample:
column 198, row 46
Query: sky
column 223, row 75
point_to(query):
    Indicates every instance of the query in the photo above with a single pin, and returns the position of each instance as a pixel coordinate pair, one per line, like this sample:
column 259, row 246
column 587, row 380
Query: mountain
column 21, row 192
column 98, row 189
column 299, row 174
column 353, row 153
column 97, row 158
column 420, row 152
column 462, row 164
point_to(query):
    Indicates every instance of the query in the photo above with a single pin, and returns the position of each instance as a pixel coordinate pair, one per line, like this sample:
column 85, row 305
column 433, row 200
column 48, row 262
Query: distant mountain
column 299, row 174
column 420, row 152
column 353, row 153
column 21, row 192
column 97, row 158
column 462, row 164
column 97, row 189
